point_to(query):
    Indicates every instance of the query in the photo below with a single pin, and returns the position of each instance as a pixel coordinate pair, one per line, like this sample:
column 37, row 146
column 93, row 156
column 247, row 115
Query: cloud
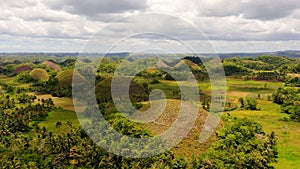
column 18, row 4
column 35, row 19
column 95, row 8
column 220, row 20
column 14, row 44
column 249, row 9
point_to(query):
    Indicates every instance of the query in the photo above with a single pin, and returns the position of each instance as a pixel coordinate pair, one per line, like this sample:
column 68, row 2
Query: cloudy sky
column 230, row 26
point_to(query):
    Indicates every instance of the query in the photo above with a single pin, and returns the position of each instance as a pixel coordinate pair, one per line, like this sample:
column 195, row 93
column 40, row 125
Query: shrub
column 251, row 104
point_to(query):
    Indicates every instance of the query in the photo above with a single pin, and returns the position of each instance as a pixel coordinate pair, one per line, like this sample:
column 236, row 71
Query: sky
column 149, row 25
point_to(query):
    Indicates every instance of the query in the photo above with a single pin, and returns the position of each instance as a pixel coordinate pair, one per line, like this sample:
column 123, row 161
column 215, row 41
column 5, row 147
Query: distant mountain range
column 287, row 53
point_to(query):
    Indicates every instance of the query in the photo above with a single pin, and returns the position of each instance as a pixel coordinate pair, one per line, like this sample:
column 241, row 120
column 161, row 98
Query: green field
column 270, row 117
column 12, row 81
column 288, row 133
column 60, row 115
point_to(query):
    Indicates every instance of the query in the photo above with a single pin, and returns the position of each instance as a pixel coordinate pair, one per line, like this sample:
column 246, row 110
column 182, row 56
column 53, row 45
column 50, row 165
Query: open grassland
column 288, row 133
column 59, row 115
column 263, row 87
column 237, row 88
column 270, row 117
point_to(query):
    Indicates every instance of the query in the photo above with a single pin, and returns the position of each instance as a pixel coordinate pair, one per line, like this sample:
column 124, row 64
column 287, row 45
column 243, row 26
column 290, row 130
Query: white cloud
column 221, row 20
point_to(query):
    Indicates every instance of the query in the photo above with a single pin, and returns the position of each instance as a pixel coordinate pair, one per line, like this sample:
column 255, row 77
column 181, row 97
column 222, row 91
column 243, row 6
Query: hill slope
column 39, row 74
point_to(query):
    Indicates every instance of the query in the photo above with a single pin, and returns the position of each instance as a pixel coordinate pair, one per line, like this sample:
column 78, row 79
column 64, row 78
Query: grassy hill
column 52, row 65
column 39, row 74
column 188, row 63
column 23, row 68
column 103, row 88
column 66, row 77
column 190, row 145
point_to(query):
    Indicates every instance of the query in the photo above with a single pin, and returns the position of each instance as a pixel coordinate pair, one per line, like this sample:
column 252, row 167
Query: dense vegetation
column 289, row 100
column 238, row 143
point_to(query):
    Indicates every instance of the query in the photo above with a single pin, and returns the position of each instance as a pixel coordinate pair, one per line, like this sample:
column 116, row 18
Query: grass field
column 262, row 87
column 63, row 102
column 12, row 81
column 270, row 117
column 60, row 115
column 288, row 133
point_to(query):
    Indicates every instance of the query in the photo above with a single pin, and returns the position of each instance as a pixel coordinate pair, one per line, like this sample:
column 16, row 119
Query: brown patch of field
column 52, row 65
column 63, row 102
column 190, row 145
column 161, row 64
column 191, row 64
column 293, row 75
column 23, row 68
column 258, row 62
column 237, row 94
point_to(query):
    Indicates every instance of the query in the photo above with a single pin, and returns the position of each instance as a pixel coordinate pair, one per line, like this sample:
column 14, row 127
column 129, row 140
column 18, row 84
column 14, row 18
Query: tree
column 240, row 144
column 242, row 102
column 206, row 104
column 58, row 124
column 251, row 104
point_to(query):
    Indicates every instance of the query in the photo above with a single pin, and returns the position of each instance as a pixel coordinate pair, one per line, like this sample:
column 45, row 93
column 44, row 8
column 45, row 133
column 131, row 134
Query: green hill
column 189, row 63
column 39, row 74
column 65, row 78
column 103, row 89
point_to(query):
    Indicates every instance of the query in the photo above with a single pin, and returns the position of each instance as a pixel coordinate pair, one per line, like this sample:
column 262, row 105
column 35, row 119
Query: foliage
column 267, row 75
column 23, row 144
column 25, row 77
column 232, row 69
column 52, row 87
column 251, row 103
column 248, row 103
column 240, row 144
column 242, row 102
column 292, row 81
column 289, row 100
column 194, row 59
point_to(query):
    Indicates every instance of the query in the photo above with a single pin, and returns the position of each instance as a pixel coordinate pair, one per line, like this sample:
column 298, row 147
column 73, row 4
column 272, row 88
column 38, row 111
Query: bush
column 154, row 81
column 24, row 77
column 251, row 104
column 240, row 144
